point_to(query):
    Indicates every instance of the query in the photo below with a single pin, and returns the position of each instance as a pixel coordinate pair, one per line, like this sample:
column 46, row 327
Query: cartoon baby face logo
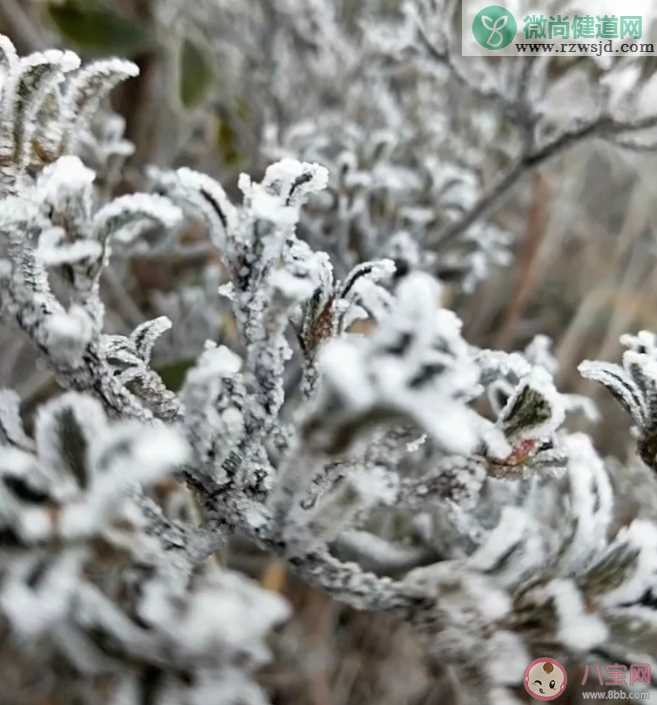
column 545, row 679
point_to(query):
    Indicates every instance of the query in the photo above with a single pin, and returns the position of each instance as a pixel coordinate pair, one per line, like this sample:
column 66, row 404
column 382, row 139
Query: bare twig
column 603, row 126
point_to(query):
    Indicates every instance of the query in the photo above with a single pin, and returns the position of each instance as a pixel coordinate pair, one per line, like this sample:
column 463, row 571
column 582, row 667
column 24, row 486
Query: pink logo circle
column 545, row 679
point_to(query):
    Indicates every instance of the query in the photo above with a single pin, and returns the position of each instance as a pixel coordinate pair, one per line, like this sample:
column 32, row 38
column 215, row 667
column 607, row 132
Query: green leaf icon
column 494, row 27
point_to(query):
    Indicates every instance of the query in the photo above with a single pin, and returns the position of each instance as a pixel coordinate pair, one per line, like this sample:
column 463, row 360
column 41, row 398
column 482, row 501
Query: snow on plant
column 348, row 392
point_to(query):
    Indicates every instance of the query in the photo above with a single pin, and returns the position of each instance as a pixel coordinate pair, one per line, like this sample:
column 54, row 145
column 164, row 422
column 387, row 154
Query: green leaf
column 173, row 375
column 195, row 75
column 95, row 29
column 227, row 143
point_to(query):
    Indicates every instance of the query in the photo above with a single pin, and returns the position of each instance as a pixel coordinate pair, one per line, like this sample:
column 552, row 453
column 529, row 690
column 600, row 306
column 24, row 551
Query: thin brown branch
column 600, row 127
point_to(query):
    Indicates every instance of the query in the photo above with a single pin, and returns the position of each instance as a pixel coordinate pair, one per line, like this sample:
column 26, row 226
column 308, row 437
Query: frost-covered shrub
column 345, row 393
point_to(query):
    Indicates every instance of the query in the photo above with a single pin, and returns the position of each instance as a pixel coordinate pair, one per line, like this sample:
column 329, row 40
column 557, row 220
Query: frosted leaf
column 292, row 181
column 68, row 333
column 11, row 426
column 33, row 612
column 360, row 285
column 535, row 410
column 341, row 365
column 505, row 544
column 218, row 361
column 334, row 306
column 331, row 514
column 121, row 457
column 496, row 364
column 637, row 572
column 8, row 56
column 227, row 609
column 404, row 249
column 214, row 399
column 619, row 384
column 497, row 445
column 634, row 385
column 145, row 336
column 578, row 629
column 64, row 179
column 127, row 210
column 644, row 342
column 81, row 251
column 24, row 89
column 187, row 186
column 151, row 453
column 89, row 87
column 268, row 207
column 591, row 502
column 293, row 288
column 64, row 431
column 416, row 363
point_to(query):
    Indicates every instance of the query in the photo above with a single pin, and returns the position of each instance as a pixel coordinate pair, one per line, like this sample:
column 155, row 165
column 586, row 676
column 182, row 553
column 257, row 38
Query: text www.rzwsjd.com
column 595, row 49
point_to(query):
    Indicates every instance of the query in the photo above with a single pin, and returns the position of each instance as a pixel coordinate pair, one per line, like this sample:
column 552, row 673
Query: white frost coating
column 639, row 536
column 60, row 417
column 644, row 340
column 283, row 190
column 233, row 421
column 455, row 429
column 137, row 205
column 196, row 181
column 65, row 60
column 292, row 287
column 539, row 352
column 34, row 612
column 540, row 382
column 66, row 177
column 577, row 628
column 16, row 209
column 69, row 254
column 496, row 443
column 342, row 366
column 269, row 207
column 223, row 614
column 220, row 360
column 69, row 332
column 286, row 176
column 109, row 67
column 228, row 291
column 507, row 656
column 11, row 425
column 508, row 533
column 156, row 454
column 415, row 445
column 592, row 500
column 389, row 368
column 376, row 485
